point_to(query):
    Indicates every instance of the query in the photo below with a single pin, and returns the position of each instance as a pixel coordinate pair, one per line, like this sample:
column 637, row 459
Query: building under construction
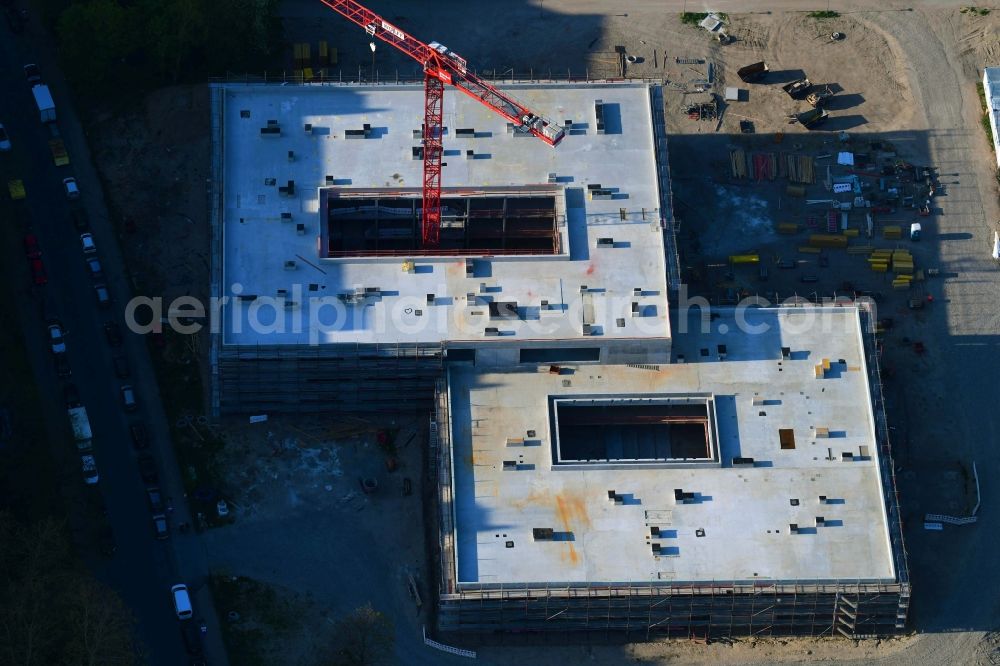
column 329, row 300
column 603, row 462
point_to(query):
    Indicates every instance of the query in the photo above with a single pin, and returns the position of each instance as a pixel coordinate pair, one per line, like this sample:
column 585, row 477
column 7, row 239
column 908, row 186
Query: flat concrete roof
column 257, row 243
column 744, row 511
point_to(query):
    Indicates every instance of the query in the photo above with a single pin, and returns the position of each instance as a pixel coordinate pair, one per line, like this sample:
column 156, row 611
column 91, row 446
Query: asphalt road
column 143, row 569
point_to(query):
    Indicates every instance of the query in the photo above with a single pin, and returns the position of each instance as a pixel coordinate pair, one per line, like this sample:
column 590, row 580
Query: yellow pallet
column 851, row 233
column 788, row 228
column 810, row 250
column 880, row 268
column 859, row 249
column 744, row 258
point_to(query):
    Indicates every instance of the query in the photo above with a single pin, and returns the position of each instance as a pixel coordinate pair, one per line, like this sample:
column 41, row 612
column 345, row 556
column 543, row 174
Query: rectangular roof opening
column 625, row 430
column 387, row 221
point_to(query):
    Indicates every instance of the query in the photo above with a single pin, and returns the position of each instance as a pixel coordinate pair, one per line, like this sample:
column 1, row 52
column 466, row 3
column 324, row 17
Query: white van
column 182, row 602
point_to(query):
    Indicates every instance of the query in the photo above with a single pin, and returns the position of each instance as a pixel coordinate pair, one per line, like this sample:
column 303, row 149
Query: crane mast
column 442, row 66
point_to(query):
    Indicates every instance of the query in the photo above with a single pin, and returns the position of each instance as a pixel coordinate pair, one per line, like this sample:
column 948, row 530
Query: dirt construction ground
column 904, row 79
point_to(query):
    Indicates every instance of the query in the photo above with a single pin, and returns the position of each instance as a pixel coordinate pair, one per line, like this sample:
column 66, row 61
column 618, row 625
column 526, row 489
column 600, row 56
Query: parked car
column 107, row 542
column 160, row 527
column 71, row 189
column 128, row 398
column 4, row 139
column 191, row 634
column 102, row 295
column 147, row 468
column 14, row 20
column 38, row 274
column 87, row 242
column 121, row 367
column 155, row 499
column 56, row 337
column 32, row 74
column 90, row 475
column 140, row 438
column 62, row 366
column 113, row 333
column 31, row 249
column 182, row 602
column 94, row 267
column 71, row 395
column 79, row 217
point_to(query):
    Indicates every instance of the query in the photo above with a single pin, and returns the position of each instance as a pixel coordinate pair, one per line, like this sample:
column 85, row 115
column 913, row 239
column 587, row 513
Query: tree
column 99, row 626
column 175, row 31
column 363, row 638
column 51, row 610
column 95, row 38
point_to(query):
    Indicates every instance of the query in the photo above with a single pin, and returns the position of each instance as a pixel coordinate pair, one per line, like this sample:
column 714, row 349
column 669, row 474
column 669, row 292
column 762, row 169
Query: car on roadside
column 38, row 275
column 32, row 74
column 89, row 464
column 102, row 295
column 121, row 367
column 113, row 332
column 62, row 366
column 71, row 189
column 71, row 395
column 140, row 438
column 57, row 337
column 79, row 218
column 147, row 468
column 128, row 398
column 155, row 499
column 94, row 268
column 87, row 243
column 182, row 601
column 191, row 635
column 14, row 20
column 4, row 139
column 31, row 248
column 106, row 542
column 160, row 527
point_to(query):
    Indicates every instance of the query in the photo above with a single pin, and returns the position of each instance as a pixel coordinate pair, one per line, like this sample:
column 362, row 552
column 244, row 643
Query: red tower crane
column 443, row 66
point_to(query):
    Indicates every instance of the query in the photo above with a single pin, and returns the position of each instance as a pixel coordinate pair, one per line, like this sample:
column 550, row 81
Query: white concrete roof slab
column 744, row 511
column 256, row 243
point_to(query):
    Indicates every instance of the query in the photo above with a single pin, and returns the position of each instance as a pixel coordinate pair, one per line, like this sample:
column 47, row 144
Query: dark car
column 62, row 365
column 102, row 296
column 160, row 527
column 31, row 249
column 113, row 332
column 191, row 634
column 72, row 396
column 140, row 438
column 14, row 20
column 147, row 468
column 79, row 217
column 38, row 274
column 121, row 367
column 155, row 499
column 106, row 541
column 32, row 74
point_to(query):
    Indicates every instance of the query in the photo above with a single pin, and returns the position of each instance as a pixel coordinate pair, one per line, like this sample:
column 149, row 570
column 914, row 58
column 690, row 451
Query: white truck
column 80, row 424
column 43, row 100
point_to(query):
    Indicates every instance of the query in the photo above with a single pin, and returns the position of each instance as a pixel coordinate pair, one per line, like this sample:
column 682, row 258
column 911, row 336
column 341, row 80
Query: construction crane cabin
column 443, row 66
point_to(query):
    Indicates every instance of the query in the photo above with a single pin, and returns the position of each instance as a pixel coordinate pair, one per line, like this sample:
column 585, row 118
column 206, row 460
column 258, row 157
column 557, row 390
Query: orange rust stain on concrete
column 590, row 269
column 571, row 510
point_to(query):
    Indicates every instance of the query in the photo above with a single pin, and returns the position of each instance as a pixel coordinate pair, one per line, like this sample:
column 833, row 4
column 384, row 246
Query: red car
column 38, row 275
column 31, row 248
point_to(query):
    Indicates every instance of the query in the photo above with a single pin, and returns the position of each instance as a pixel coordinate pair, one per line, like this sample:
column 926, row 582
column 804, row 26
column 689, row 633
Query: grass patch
column 694, row 18
column 984, row 118
column 827, row 14
column 980, row 11
column 263, row 616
